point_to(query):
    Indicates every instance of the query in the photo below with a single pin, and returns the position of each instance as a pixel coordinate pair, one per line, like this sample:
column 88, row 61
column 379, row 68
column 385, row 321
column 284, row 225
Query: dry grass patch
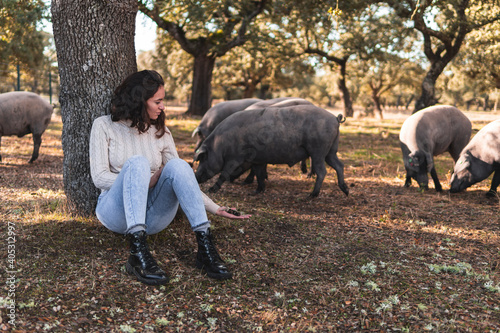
column 384, row 258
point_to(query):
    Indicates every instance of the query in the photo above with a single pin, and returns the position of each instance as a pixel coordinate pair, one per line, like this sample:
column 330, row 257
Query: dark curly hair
column 129, row 101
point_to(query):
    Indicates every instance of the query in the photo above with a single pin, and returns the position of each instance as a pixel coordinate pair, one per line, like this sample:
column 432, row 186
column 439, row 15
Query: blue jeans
column 131, row 204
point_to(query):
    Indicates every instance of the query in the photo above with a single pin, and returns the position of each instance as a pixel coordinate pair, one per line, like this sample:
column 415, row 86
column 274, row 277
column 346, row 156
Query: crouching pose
column 133, row 160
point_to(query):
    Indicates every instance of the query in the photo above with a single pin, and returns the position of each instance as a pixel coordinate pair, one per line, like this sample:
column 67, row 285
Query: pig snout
column 460, row 181
column 202, row 175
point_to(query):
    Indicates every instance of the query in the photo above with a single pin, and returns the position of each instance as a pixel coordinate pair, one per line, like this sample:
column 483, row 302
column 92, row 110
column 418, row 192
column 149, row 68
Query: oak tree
column 207, row 30
column 95, row 48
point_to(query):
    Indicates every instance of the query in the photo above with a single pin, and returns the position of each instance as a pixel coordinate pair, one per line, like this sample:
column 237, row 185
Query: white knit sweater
column 112, row 143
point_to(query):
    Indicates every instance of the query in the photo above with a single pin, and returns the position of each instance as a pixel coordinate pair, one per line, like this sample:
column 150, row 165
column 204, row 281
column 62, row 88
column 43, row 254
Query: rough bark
column 249, row 91
column 95, row 49
column 346, row 96
column 377, row 104
column 428, row 94
column 341, row 82
column 202, row 85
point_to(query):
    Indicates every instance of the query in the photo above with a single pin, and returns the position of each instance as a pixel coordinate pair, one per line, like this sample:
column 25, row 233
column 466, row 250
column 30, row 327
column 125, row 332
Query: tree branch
column 339, row 61
column 240, row 39
column 175, row 30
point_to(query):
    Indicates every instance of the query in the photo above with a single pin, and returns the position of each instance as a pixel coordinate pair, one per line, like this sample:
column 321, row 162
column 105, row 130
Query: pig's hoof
column 257, row 192
column 213, row 189
column 344, row 189
column 491, row 194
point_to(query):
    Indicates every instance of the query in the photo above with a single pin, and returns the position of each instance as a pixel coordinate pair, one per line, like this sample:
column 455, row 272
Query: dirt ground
column 384, row 258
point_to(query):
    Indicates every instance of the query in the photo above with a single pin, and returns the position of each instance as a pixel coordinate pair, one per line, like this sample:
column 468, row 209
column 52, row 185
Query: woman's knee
column 178, row 166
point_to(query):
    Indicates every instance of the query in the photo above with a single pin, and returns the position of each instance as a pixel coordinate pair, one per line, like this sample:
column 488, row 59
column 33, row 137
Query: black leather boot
column 141, row 263
column 208, row 258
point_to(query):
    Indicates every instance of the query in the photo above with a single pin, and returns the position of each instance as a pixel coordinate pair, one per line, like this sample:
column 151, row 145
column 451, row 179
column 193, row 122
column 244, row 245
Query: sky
column 145, row 33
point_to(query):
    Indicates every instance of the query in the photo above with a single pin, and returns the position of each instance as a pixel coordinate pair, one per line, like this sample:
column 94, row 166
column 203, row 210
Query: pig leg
column 37, row 141
column 338, row 166
column 231, row 170
column 250, row 177
column 494, row 184
column 261, row 174
column 238, row 174
column 218, row 184
column 224, row 175
column 303, row 166
column 437, row 184
column 318, row 167
column 407, row 180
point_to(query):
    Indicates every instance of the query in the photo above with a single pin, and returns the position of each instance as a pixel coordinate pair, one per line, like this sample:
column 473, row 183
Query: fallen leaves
column 298, row 264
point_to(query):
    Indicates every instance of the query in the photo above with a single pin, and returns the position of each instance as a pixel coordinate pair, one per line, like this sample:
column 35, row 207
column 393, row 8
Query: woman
column 133, row 161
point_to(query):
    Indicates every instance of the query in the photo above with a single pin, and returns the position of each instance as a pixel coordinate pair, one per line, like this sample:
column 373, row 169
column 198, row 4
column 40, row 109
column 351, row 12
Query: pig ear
column 196, row 130
column 201, row 154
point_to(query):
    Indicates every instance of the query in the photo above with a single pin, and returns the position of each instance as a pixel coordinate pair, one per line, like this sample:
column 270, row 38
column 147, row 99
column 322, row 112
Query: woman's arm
column 169, row 151
column 100, row 171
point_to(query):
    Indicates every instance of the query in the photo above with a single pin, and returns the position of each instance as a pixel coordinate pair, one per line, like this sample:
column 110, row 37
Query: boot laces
column 146, row 255
column 210, row 248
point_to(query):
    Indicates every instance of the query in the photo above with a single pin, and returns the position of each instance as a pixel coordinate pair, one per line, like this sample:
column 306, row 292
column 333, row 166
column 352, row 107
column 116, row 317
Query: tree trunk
column 496, row 100
column 409, row 102
column 264, row 91
column 201, row 90
column 95, row 49
column 428, row 96
column 376, row 104
column 486, row 102
column 250, row 89
column 341, row 83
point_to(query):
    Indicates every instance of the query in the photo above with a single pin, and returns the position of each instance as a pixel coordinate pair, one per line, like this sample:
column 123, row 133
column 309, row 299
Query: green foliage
column 479, row 58
column 444, row 26
column 213, row 27
column 381, row 50
column 21, row 40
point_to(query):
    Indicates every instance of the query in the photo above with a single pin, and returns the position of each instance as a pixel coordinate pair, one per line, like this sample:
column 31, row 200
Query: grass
column 384, row 258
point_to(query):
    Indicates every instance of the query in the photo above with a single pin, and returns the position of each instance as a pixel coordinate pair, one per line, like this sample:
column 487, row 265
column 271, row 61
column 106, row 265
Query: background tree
column 95, row 48
column 206, row 30
column 268, row 63
column 173, row 63
column 377, row 78
column 443, row 25
column 356, row 29
column 21, row 42
column 479, row 61
column 388, row 66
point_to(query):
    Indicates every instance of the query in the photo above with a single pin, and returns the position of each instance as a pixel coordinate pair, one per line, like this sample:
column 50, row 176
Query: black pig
column 218, row 113
column 285, row 135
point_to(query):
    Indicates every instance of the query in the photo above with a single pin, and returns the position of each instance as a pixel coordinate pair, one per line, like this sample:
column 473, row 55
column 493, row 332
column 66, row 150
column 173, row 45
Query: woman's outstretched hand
column 231, row 213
